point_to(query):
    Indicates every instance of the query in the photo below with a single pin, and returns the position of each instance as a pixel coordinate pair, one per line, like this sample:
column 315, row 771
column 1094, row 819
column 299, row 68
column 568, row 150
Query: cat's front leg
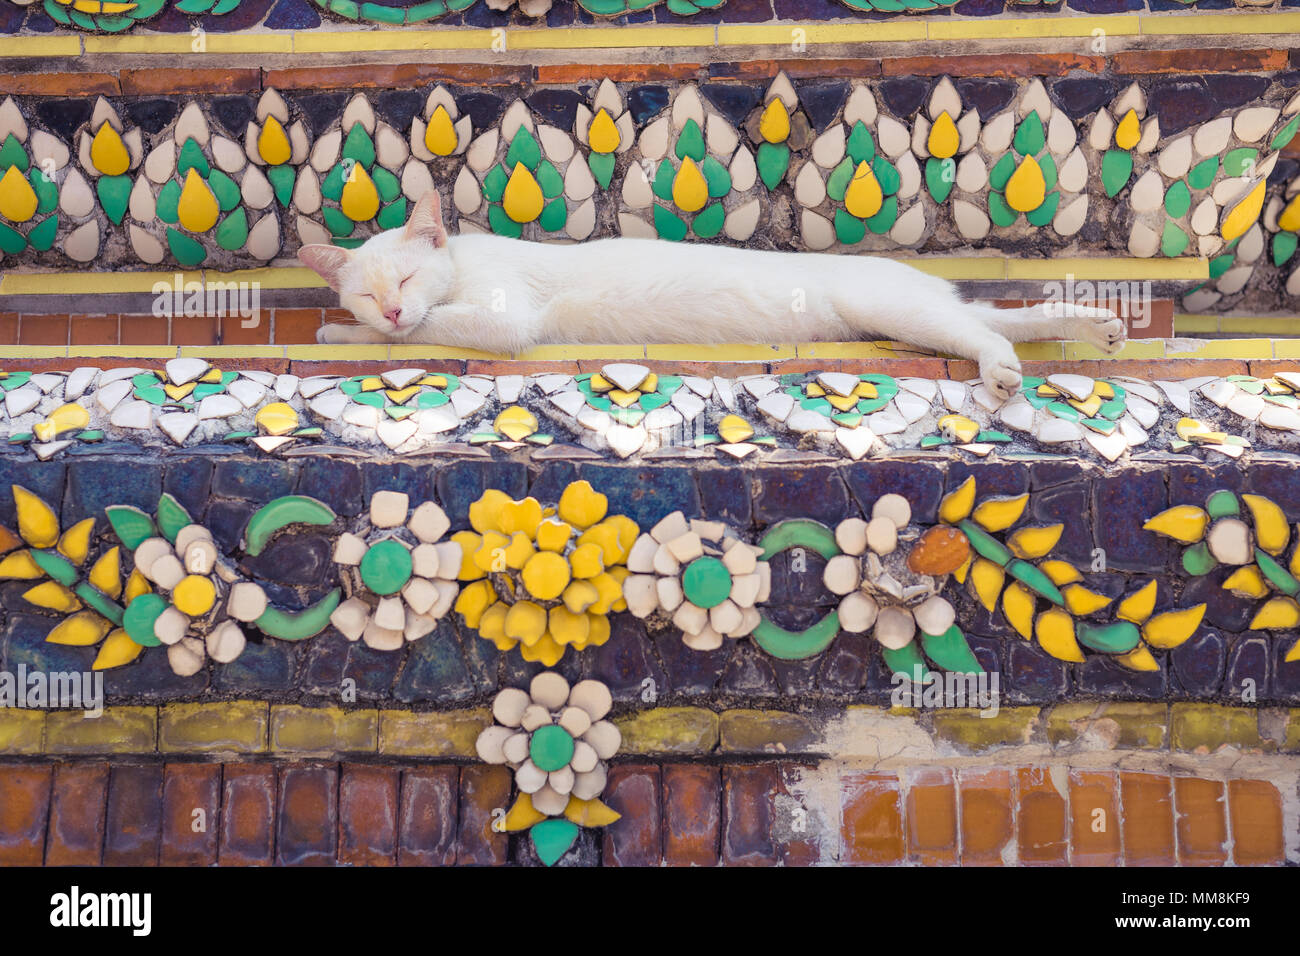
column 339, row 334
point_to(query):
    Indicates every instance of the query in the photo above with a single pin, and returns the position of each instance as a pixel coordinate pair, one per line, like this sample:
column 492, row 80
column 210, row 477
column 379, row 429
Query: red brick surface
column 676, row 813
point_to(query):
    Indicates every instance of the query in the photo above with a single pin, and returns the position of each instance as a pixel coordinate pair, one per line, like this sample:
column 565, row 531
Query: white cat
column 414, row 284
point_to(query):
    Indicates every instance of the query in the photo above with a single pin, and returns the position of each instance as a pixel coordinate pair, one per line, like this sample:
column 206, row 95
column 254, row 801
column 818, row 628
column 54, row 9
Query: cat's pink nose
column 393, row 315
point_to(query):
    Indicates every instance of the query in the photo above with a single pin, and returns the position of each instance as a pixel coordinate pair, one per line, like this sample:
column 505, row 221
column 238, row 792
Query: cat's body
column 416, row 285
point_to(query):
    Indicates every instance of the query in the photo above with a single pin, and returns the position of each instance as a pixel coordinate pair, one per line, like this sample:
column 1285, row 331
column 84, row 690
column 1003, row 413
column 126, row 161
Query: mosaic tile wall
column 1073, row 166
column 177, row 16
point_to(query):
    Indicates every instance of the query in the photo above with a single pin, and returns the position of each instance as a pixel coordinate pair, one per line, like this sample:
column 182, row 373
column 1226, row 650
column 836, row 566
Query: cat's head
column 392, row 280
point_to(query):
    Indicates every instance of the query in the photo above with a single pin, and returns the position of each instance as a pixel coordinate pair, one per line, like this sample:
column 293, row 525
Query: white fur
column 505, row 296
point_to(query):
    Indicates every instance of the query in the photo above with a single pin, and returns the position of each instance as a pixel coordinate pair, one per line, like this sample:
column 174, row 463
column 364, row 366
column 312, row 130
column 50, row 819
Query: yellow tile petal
column 1247, row 581
column 587, row 560
column 485, row 513
column 117, row 649
column 842, row 403
column 590, row 813
column 37, row 522
column 523, row 515
column 492, row 625
column 1172, row 627
column 567, row 627
column 1030, row 543
column 1081, row 602
column 690, row 189
column 1089, row 407
column 622, row 398
column 278, row 418
column 469, row 543
column 515, row 422
column 1137, row 607
column 553, row 535
column 1243, row 215
column 1185, row 523
column 18, row 200
column 74, row 544
column 957, row 504
column 136, row 585
column 522, row 200
column 544, row 651
column 602, row 134
column 1139, row 659
column 197, row 207
column 579, row 596
column 598, row 632
column 80, row 630
column 519, row 550
column 1061, row 572
column 734, row 429
column 440, row 133
column 1128, row 132
column 1018, row 605
column 106, row 572
column 774, row 124
column 610, row 589
column 526, row 622
column 108, row 153
column 944, row 138
column 273, row 143
column 1026, row 188
column 490, row 556
column 546, row 575
column 581, row 505
column 400, row 396
column 1055, row 632
column 473, row 600
column 52, row 595
column 998, row 514
column 19, row 566
column 1271, row 528
column 65, row 418
column 863, row 197
column 866, row 390
column 360, row 199
column 986, row 579
column 1278, row 613
column 523, row 814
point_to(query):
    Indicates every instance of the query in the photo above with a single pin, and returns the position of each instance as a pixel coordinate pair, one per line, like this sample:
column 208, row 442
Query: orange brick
column 144, row 329
column 871, row 825
column 1041, row 818
column 24, row 811
column 235, row 332
column 932, row 817
column 1148, row 819
column 8, row 328
column 151, row 82
column 37, row 329
column 1255, row 808
column 1094, row 819
column 987, row 821
column 992, row 64
column 572, row 75
column 194, row 330
column 60, row 84
column 1198, row 61
column 1202, row 830
column 298, row 326
column 94, row 329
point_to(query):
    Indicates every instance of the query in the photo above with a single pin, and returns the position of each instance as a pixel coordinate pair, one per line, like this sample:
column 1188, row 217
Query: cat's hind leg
column 1057, row 321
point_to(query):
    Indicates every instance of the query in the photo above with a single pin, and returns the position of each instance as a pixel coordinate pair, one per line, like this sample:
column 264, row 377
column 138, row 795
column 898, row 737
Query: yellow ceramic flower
column 92, row 614
column 543, row 579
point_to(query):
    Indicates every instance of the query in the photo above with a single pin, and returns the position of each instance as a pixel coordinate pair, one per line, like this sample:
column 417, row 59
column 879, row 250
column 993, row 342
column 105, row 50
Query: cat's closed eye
column 406, row 280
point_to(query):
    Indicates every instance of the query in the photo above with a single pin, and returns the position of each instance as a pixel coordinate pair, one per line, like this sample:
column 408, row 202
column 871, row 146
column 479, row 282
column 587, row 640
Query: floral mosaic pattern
column 195, row 193
column 556, row 740
column 626, row 411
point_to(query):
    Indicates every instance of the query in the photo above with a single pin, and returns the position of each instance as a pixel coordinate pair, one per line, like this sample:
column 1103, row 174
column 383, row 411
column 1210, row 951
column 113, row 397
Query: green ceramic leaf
column 663, row 184
column 224, row 188
column 11, row 240
column 940, row 174
column 552, row 838
column 849, row 229
column 188, row 252
column 191, row 157
column 232, row 232
column 860, row 147
column 172, row 516
column 668, row 225
column 392, row 215
column 1285, row 134
column 549, row 178
column 359, row 147
column 602, row 167
column 690, row 142
column 884, row 220
column 279, row 513
column 1118, row 637
column 131, row 525
column 1178, row 200
column 1116, row 168
column 1000, row 212
column 297, row 626
column 1239, row 161
column 386, row 184
column 338, row 224
column 1197, row 560
column 773, row 160
column 1173, row 241
column 494, row 184
column 114, row 193
column 1284, row 245
column 47, row 191
column 796, row 645
column 1001, row 172
column 1029, row 139
column 951, row 651
column 837, row 183
column 717, row 177
column 709, row 223
column 553, row 216
column 887, row 175
column 1202, row 174
column 907, row 662
column 42, row 235
column 1044, row 213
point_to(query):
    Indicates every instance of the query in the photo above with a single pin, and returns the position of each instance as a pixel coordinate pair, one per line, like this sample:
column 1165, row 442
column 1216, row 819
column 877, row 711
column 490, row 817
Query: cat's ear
column 328, row 262
column 426, row 221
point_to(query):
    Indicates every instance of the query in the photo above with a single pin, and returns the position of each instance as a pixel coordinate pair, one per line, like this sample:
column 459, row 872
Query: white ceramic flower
column 702, row 575
column 882, row 590
column 554, row 738
column 403, row 575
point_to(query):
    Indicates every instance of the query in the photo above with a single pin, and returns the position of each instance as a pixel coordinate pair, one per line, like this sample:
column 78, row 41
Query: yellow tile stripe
column 294, row 277
column 670, row 37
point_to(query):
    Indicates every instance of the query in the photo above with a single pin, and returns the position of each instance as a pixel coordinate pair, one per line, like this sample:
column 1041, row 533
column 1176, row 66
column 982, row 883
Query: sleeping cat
column 416, row 285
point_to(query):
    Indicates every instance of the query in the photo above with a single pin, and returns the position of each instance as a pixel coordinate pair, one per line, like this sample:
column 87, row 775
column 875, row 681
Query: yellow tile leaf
column 117, row 649
column 1168, row 630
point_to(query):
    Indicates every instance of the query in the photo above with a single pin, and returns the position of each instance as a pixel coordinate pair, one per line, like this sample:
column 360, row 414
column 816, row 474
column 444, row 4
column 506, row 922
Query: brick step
column 679, row 814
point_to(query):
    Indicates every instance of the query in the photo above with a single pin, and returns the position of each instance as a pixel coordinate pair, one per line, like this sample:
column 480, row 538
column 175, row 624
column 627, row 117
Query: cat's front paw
column 1103, row 328
column 1001, row 376
column 340, row 334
